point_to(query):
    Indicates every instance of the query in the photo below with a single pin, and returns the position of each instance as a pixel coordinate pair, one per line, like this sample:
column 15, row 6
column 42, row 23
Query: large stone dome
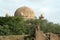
column 25, row 12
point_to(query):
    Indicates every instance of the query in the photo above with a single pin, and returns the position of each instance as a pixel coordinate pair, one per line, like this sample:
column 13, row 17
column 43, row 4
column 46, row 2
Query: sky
column 49, row 8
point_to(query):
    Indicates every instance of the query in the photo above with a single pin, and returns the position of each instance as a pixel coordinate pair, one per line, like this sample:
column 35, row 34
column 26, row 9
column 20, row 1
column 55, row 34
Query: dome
column 25, row 11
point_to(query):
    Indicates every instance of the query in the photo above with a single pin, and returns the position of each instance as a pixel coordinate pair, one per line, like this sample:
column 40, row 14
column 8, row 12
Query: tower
column 41, row 17
column 7, row 15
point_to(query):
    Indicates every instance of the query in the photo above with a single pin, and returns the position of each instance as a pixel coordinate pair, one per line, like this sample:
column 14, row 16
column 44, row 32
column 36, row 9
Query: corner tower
column 7, row 15
column 41, row 17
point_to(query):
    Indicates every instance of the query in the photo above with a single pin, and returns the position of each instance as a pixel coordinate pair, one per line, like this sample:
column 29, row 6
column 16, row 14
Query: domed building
column 26, row 12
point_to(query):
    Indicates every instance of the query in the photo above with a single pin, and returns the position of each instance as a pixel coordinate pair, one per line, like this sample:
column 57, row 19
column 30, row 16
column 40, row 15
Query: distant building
column 41, row 17
column 7, row 15
column 26, row 12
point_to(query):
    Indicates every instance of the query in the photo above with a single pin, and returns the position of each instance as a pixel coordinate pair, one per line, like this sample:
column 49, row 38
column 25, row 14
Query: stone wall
column 39, row 35
column 12, row 37
column 58, row 36
column 53, row 36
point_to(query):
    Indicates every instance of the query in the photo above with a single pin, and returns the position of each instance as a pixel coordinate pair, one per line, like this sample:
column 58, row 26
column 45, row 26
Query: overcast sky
column 49, row 8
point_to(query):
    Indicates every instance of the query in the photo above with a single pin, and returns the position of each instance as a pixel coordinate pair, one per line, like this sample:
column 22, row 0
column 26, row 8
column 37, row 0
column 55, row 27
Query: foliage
column 18, row 26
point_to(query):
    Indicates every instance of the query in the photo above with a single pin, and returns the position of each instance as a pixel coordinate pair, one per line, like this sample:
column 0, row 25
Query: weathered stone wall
column 53, row 36
column 40, row 36
column 59, row 36
column 12, row 37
